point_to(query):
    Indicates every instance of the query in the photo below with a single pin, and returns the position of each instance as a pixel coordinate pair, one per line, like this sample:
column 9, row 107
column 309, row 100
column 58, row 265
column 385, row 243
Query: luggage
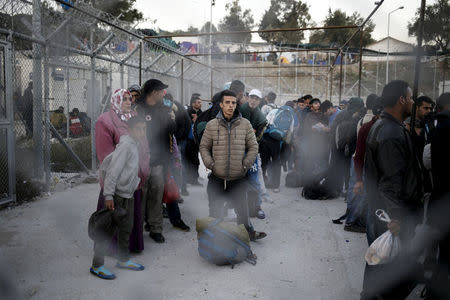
column 281, row 123
column 223, row 243
column 103, row 223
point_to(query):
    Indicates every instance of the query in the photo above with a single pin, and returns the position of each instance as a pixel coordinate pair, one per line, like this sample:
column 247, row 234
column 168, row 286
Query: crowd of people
column 149, row 145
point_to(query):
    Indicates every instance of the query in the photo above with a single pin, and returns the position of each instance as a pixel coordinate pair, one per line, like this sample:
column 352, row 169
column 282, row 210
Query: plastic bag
column 385, row 247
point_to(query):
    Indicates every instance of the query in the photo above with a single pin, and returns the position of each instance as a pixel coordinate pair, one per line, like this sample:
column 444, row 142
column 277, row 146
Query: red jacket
column 108, row 130
column 363, row 133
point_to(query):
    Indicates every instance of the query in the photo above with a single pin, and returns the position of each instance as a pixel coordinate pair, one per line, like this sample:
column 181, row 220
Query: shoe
column 180, row 201
column 260, row 214
column 130, row 265
column 182, row 226
column 102, row 273
column 257, row 235
column 266, row 198
column 184, row 192
column 147, row 227
column 276, row 190
column 354, row 228
column 157, row 237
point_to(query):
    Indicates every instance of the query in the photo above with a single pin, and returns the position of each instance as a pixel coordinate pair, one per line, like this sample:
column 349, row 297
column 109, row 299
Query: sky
column 180, row 14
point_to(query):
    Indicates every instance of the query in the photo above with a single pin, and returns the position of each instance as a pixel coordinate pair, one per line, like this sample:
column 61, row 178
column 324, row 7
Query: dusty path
column 45, row 251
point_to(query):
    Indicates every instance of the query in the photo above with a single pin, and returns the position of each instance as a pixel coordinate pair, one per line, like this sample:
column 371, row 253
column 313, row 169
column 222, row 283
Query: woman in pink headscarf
column 110, row 126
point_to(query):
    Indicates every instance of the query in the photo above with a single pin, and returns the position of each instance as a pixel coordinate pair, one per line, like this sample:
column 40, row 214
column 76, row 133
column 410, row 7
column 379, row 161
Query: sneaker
column 147, row 227
column 276, row 190
column 260, row 214
column 130, row 265
column 157, row 237
column 102, row 272
column 180, row 201
column 257, row 235
column 266, row 198
column 355, row 228
column 182, row 226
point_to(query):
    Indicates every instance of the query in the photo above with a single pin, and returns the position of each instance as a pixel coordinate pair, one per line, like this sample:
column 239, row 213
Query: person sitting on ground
column 58, row 119
column 75, row 127
column 228, row 148
column 119, row 172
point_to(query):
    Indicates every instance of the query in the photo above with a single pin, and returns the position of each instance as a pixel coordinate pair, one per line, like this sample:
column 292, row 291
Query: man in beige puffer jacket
column 228, row 148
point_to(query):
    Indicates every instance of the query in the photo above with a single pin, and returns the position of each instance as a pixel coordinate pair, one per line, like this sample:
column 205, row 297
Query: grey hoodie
column 119, row 170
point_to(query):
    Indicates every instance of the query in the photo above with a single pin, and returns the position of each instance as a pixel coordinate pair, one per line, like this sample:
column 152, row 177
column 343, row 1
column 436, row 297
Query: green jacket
column 256, row 118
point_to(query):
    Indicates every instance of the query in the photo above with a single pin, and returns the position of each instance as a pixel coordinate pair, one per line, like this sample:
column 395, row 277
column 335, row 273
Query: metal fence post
column 140, row 64
column 37, row 92
column 434, row 77
column 47, row 135
column 360, row 61
column 182, row 82
column 92, row 105
column 312, row 82
column 340, row 80
column 376, row 81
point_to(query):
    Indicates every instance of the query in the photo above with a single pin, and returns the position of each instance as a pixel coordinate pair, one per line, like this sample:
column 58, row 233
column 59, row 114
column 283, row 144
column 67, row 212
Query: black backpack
column 317, row 191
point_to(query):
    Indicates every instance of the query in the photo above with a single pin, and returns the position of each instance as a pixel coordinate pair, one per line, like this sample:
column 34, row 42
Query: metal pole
column 182, row 81
column 296, row 61
column 312, row 82
column 37, row 92
column 360, row 61
column 340, row 80
column 121, row 76
column 395, row 69
column 140, row 63
column 211, row 81
column 243, row 45
column 328, row 77
column 434, row 77
column 378, row 67
column 345, row 71
column 262, row 79
column 279, row 74
column 387, row 52
column 417, row 67
column 47, row 118
column 67, row 84
column 92, row 106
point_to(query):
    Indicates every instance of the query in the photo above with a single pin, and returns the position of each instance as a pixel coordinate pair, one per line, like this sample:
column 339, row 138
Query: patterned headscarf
column 116, row 104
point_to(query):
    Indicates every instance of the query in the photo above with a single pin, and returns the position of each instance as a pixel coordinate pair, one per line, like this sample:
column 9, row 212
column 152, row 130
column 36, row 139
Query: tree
column 204, row 40
column 436, row 24
column 119, row 8
column 285, row 14
column 236, row 20
column 337, row 37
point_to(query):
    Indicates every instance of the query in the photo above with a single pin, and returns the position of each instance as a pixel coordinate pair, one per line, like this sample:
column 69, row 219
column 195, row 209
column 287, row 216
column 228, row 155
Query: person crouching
column 119, row 171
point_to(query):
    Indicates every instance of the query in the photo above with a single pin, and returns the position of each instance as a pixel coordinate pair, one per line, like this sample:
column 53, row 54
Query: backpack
column 346, row 137
column 317, row 191
column 281, row 123
column 224, row 243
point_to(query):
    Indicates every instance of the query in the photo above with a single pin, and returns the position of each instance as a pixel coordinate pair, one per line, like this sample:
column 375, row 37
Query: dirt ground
column 45, row 253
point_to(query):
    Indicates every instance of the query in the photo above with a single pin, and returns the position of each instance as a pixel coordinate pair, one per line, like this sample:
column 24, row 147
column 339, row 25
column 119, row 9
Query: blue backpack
column 220, row 247
column 281, row 123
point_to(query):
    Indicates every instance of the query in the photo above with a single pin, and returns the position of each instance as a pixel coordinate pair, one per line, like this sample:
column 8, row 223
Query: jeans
column 254, row 179
column 123, row 234
column 355, row 203
column 234, row 192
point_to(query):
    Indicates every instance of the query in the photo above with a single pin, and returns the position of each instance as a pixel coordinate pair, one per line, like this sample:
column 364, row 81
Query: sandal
column 102, row 272
column 130, row 265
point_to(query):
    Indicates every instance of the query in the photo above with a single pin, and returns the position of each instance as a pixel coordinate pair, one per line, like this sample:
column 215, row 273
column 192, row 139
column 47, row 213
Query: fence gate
column 7, row 140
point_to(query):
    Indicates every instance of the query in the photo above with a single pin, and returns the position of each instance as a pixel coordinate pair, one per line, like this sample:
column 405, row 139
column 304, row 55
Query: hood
column 236, row 116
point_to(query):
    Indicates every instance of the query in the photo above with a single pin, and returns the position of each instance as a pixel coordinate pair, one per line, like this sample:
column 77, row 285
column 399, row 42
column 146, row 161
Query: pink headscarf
column 116, row 104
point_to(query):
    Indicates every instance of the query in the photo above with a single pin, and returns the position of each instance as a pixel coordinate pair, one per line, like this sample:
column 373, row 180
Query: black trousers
column 233, row 192
column 192, row 162
column 270, row 150
column 339, row 171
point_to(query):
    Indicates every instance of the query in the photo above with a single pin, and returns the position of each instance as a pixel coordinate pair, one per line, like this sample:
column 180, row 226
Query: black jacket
column 192, row 111
column 160, row 128
column 183, row 121
column 393, row 177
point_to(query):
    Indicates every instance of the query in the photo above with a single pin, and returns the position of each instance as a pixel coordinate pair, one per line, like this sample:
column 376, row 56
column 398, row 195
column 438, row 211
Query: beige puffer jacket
column 229, row 149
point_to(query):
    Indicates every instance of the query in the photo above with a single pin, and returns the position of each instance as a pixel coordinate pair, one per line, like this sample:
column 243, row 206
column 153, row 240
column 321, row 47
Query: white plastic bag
column 385, row 247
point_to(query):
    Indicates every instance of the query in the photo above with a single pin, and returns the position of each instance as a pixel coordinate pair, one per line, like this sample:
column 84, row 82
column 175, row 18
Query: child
column 119, row 171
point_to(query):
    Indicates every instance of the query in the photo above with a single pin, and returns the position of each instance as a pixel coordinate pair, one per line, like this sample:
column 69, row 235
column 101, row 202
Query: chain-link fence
column 65, row 62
